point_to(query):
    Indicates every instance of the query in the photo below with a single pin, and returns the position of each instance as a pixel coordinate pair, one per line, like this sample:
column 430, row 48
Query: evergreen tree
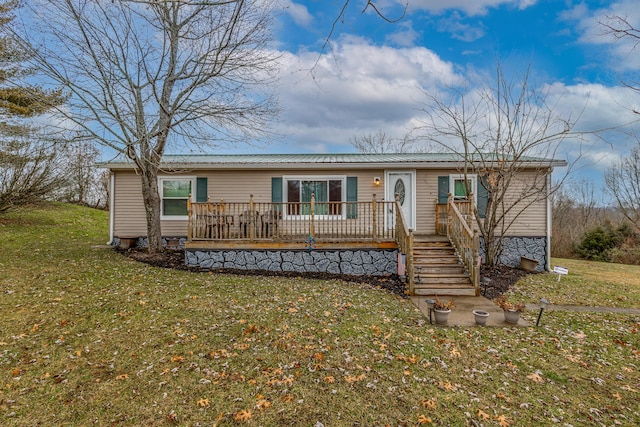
column 28, row 164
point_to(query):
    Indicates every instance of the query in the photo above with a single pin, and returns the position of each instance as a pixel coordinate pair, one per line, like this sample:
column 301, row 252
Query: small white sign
column 560, row 271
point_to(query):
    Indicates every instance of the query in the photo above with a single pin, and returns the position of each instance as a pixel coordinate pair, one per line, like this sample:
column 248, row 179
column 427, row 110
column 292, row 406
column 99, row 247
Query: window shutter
column 443, row 189
column 276, row 192
column 483, row 196
column 201, row 189
column 352, row 196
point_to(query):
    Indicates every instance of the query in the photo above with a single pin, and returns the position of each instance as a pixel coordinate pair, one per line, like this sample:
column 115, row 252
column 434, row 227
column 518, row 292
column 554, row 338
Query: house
column 376, row 214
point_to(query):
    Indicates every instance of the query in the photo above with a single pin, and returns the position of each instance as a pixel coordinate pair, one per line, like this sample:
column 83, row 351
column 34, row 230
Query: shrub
column 604, row 243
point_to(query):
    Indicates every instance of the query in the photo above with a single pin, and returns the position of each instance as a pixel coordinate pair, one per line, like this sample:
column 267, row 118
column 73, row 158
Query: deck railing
column 463, row 237
column 404, row 237
column 322, row 222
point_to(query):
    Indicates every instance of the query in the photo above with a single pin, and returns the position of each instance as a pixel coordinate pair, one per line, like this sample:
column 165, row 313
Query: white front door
column 403, row 184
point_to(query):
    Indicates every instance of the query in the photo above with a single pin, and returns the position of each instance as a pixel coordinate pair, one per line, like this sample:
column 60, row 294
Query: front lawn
column 91, row 337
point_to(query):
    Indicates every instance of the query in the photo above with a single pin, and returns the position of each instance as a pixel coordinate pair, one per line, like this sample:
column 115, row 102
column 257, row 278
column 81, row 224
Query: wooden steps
column 438, row 270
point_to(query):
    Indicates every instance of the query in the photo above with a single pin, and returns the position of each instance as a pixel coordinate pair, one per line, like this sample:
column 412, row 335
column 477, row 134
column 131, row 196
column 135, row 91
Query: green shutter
column 483, row 196
column 276, row 192
column 443, row 189
column 201, row 189
column 352, row 196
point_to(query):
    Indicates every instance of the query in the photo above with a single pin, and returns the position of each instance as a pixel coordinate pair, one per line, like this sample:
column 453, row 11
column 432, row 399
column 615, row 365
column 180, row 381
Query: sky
column 370, row 75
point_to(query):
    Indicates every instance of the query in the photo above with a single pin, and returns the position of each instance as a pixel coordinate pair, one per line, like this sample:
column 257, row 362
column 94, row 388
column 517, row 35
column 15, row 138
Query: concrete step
column 454, row 291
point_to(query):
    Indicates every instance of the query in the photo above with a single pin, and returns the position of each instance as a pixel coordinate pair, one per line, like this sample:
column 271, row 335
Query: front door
column 402, row 184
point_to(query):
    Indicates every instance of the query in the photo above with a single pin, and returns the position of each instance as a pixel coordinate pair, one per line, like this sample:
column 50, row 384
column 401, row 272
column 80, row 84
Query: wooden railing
column 292, row 222
column 404, row 237
column 442, row 214
column 463, row 237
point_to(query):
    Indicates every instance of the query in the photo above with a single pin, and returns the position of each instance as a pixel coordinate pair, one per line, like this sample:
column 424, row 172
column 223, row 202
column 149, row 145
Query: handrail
column 465, row 240
column 404, row 236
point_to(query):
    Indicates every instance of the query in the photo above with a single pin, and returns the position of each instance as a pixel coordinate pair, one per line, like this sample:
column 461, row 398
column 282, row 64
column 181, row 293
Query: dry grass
column 89, row 337
column 589, row 283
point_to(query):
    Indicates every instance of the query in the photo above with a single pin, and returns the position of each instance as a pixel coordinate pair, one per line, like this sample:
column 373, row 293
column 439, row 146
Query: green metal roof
column 315, row 161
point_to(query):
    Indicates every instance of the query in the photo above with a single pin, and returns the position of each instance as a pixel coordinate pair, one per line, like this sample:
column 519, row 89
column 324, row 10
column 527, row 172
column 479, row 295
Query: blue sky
column 372, row 75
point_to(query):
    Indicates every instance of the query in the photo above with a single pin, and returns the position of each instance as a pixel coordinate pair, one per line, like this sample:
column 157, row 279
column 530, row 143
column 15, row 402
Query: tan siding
column 531, row 220
column 236, row 186
column 129, row 213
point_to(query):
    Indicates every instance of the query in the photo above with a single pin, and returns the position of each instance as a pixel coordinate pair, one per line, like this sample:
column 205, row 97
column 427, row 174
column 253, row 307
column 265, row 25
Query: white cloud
column 299, row 13
column 354, row 89
column 460, row 30
column 623, row 53
column 601, row 109
column 405, row 36
column 470, row 7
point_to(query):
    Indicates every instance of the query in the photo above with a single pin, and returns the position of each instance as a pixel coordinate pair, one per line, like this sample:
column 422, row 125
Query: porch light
column 544, row 304
column 376, row 181
column 430, row 304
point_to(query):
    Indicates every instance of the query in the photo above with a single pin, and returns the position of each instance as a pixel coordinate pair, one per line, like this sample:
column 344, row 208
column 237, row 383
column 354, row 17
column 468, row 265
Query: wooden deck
column 444, row 263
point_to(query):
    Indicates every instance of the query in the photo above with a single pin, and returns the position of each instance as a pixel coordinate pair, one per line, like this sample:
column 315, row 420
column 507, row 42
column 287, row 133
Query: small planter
column 128, row 242
column 481, row 317
column 441, row 316
column 528, row 264
column 511, row 316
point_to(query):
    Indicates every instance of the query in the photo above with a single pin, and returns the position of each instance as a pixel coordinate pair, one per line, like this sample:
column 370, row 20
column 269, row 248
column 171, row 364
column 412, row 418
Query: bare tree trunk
column 152, row 202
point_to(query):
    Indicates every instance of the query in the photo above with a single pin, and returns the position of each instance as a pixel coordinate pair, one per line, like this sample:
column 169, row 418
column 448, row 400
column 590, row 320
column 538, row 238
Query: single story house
column 355, row 214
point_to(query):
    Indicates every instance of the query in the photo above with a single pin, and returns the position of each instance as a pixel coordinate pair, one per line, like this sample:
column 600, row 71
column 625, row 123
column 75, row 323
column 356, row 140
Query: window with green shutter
column 174, row 193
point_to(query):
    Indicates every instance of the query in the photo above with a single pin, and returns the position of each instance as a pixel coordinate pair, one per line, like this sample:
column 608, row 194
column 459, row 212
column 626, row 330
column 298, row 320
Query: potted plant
column 511, row 310
column 481, row 317
column 441, row 310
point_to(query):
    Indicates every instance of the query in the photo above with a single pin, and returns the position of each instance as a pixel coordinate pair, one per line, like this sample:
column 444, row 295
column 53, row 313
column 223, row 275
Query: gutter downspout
column 112, row 197
column 548, row 260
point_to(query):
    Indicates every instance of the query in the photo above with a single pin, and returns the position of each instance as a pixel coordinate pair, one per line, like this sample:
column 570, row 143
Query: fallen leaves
column 423, row 419
column 242, row 416
column 203, row 403
column 535, row 377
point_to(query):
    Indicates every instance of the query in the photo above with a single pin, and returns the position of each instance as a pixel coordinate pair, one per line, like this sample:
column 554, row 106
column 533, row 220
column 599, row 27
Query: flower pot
column 528, row 264
column 481, row 317
column 442, row 316
column 511, row 316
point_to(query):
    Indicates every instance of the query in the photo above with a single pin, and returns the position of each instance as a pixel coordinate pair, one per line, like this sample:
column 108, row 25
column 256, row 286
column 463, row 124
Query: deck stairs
column 437, row 268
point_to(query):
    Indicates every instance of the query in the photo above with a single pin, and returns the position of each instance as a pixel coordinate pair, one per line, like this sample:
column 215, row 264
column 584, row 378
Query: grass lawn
column 88, row 337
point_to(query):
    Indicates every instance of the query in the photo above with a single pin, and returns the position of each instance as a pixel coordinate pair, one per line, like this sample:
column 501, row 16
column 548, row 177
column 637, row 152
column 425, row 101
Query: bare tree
column 507, row 133
column 30, row 171
column 381, row 142
column 575, row 210
column 620, row 28
column 622, row 181
column 141, row 74
column 83, row 186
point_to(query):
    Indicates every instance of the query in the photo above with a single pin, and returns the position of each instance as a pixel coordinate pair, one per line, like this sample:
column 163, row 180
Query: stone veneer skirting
column 360, row 262
column 375, row 262
column 516, row 247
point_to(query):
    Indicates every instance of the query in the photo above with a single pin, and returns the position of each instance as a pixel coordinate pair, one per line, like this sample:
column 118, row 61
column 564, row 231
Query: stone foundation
column 369, row 262
column 516, row 247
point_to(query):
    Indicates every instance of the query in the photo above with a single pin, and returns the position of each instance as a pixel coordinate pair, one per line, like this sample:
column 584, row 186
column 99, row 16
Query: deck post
column 437, row 217
column 190, row 221
column 312, row 228
column 449, row 201
column 409, row 259
column 252, row 219
column 374, row 226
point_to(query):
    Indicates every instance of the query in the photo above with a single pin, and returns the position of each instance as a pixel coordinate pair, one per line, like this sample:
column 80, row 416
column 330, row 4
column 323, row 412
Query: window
column 174, row 193
column 329, row 194
column 460, row 187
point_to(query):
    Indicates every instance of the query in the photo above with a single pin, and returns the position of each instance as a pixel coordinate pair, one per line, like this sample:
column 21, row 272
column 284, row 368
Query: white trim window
column 329, row 191
column 459, row 190
column 174, row 193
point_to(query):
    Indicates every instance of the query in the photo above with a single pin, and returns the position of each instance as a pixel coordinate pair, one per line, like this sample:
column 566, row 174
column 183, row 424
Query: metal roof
column 317, row 161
